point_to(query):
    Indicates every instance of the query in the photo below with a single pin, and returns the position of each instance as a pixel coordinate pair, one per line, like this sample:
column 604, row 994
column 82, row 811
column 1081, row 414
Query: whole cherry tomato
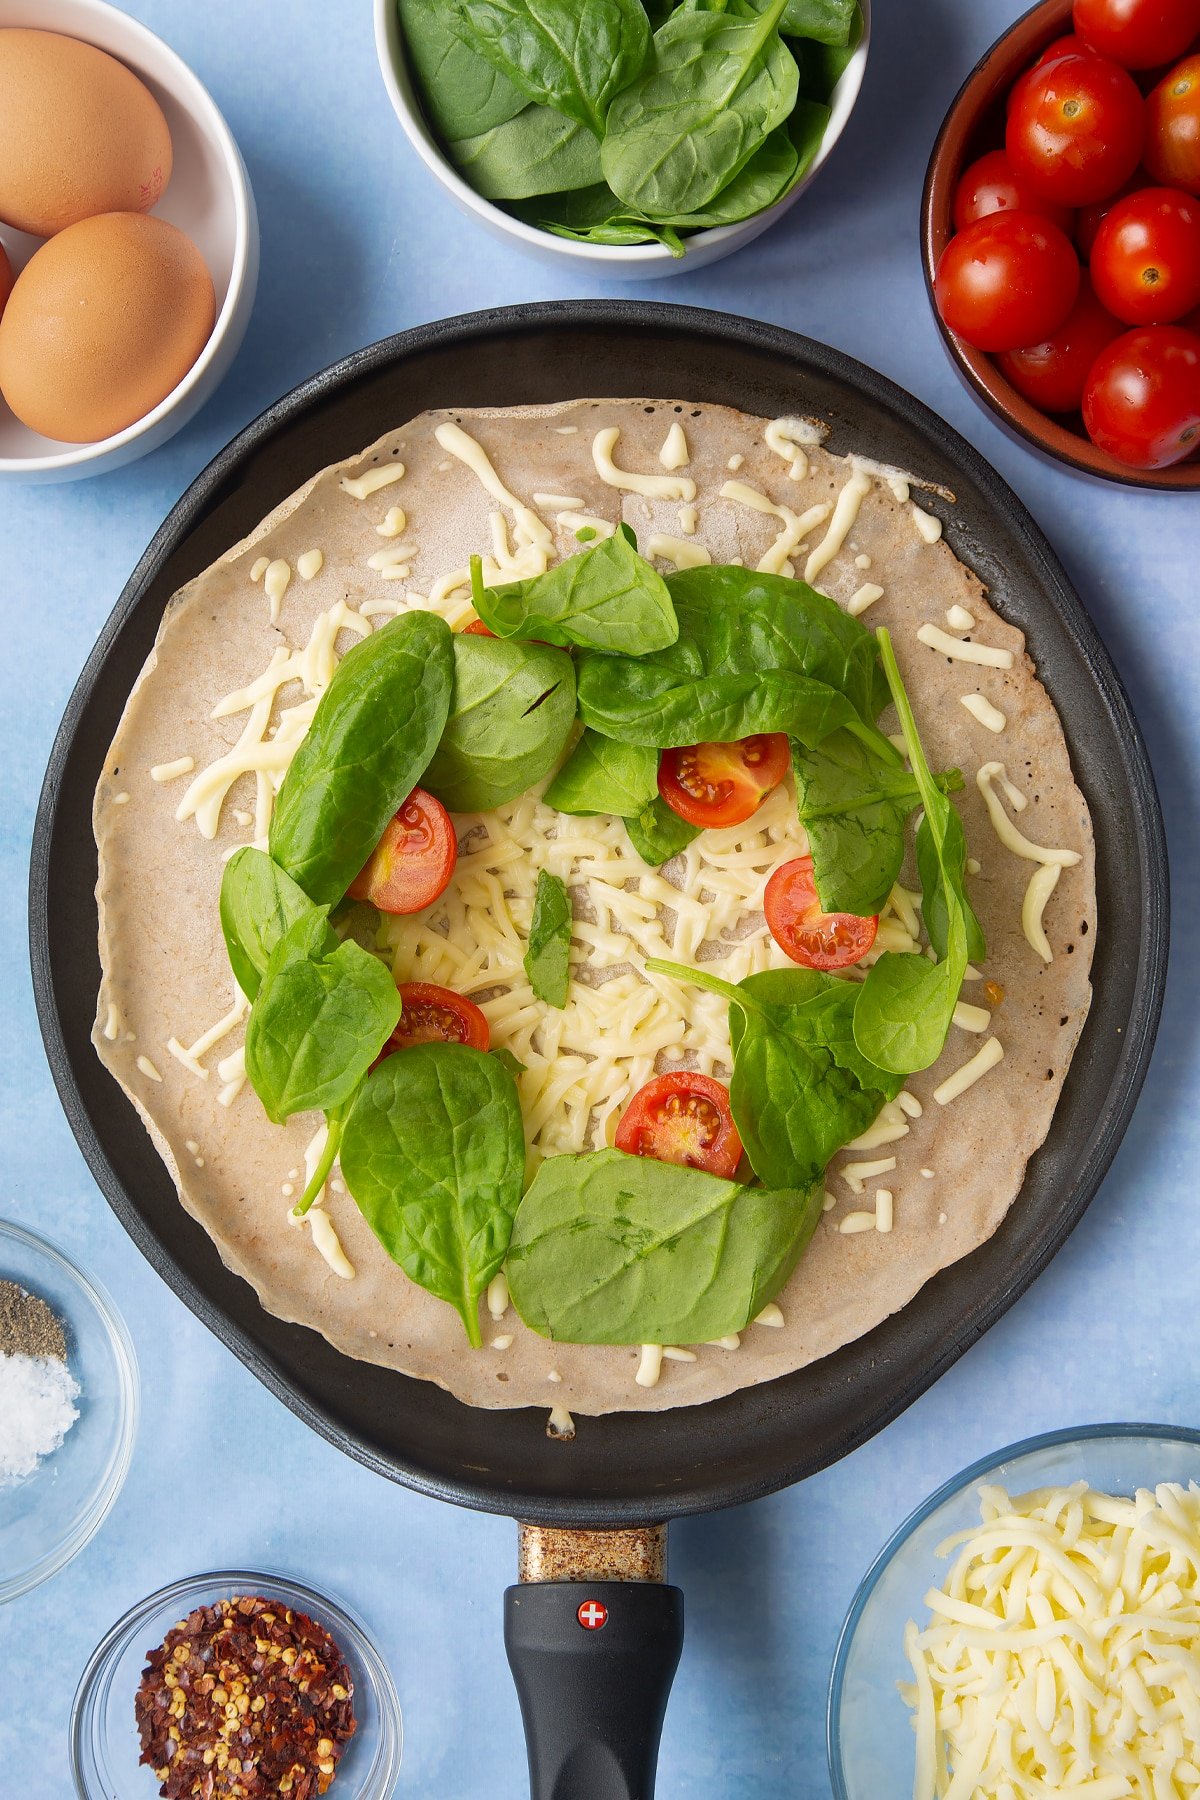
column 1146, row 258
column 723, row 784
column 1173, row 127
column 1142, row 400
column 1007, row 280
column 804, row 930
column 1088, row 218
column 1075, row 129
column 1062, row 46
column 989, row 186
column 1139, row 34
column 1053, row 374
column 684, row 1118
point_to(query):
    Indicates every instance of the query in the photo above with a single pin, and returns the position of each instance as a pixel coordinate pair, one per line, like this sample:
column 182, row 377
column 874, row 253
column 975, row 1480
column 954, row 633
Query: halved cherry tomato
column 1075, row 129
column 1009, row 279
column 1142, row 400
column 682, row 1118
column 413, row 860
column 712, row 785
column 1139, row 34
column 989, row 186
column 437, row 1015
column 1173, row 127
column 477, row 628
column 1053, row 374
column 1146, row 258
column 804, row 931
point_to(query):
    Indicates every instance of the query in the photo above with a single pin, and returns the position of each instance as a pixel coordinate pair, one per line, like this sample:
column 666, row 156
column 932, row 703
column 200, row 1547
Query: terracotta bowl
column 975, row 123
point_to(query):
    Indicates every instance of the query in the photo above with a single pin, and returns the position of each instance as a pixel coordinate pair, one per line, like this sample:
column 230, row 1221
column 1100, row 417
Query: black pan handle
column 593, row 1664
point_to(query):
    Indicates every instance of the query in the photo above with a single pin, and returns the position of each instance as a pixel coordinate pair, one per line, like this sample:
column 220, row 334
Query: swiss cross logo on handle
column 592, row 1615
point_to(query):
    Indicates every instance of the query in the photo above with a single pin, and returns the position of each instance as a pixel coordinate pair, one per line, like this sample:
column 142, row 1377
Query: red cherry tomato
column 1139, row 34
column 682, row 1118
column 1173, row 127
column 1053, row 374
column 1007, row 280
column 1061, row 46
column 712, row 785
column 477, row 628
column 1075, row 129
column 989, row 186
column 1146, row 257
column 805, row 932
column 1142, row 400
column 1089, row 219
column 413, row 860
column 437, row 1015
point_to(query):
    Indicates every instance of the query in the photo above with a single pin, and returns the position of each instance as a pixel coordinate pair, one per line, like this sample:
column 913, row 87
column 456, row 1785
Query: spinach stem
column 736, row 996
column 320, row 1174
column 908, row 725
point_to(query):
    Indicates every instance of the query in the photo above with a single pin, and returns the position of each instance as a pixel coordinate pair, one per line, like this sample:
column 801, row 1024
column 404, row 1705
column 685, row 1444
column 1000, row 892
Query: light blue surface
column 357, row 242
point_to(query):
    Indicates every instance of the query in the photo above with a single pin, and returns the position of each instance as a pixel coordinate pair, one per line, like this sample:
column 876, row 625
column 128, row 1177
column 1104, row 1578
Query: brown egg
column 6, row 279
column 79, row 134
column 101, row 324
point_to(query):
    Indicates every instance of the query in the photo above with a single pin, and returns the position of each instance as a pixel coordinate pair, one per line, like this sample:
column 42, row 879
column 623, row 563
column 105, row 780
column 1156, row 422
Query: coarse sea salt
column 37, row 1409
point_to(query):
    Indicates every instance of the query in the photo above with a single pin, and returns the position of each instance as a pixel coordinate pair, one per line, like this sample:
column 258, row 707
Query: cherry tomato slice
column 1075, row 129
column 437, row 1015
column 1008, row 280
column 805, row 932
column 1173, row 127
column 1053, row 374
column 989, row 186
column 413, row 860
column 1142, row 400
column 1146, row 257
column 1139, row 34
column 477, row 628
column 712, row 785
column 682, row 1118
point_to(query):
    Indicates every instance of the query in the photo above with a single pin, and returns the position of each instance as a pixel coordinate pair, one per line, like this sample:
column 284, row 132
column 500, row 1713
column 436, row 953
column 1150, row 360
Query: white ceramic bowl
column 208, row 197
column 636, row 262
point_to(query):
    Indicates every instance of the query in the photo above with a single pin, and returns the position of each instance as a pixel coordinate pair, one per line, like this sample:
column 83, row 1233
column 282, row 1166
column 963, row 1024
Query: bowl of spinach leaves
column 650, row 136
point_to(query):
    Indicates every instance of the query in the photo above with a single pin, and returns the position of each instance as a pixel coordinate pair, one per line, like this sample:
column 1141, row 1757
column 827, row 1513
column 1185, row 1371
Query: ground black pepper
column 28, row 1327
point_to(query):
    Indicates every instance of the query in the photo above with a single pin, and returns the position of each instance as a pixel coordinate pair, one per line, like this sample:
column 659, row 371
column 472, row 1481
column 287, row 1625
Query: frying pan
column 593, row 1632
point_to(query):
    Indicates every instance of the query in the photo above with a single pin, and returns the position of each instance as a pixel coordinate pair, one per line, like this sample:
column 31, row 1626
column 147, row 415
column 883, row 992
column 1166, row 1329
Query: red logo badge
column 592, row 1615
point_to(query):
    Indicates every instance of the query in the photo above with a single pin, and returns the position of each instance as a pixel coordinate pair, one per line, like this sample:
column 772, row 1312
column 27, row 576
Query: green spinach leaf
column 714, row 89
column 934, row 908
column 853, row 800
column 603, row 776
column 658, row 833
column 375, row 729
column 768, row 175
column 605, row 598
column 461, row 92
column 562, row 54
column 538, row 152
column 825, row 21
column 434, row 1154
column 512, row 712
column 821, row 66
column 259, row 903
column 323, row 1013
column 801, row 1089
column 616, row 1249
column 507, row 1060
column 548, row 957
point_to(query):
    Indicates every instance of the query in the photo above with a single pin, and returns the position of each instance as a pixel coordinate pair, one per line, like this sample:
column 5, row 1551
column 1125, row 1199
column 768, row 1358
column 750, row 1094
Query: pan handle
column 593, row 1636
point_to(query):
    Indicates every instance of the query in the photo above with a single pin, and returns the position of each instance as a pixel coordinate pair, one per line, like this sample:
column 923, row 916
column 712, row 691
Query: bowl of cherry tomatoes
column 1061, row 235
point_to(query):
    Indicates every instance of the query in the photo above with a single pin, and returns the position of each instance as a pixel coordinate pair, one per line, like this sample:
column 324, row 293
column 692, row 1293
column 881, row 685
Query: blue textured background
column 357, row 242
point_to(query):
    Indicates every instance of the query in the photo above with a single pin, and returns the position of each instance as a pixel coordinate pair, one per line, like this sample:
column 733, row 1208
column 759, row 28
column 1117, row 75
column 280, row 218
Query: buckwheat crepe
column 957, row 1166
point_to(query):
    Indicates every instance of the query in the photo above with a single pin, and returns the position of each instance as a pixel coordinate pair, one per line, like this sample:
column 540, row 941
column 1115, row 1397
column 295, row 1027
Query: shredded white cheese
column 959, row 619
column 497, row 1295
column 845, row 512
column 971, row 1018
column 557, row 502
column 148, row 1069
column 689, row 519
column 857, row 1174
column 771, row 1315
column 1005, row 830
column 649, row 1366
column 929, row 528
column 394, row 522
column 675, row 453
column 986, row 656
column 862, row 597
column 971, row 1072
column 171, row 771
column 576, row 522
column 361, row 487
column 680, row 551
column 309, row 564
column 983, row 712
column 1042, row 884
column 259, row 567
column 796, row 526
column 276, row 582
column 651, row 487
column 792, row 439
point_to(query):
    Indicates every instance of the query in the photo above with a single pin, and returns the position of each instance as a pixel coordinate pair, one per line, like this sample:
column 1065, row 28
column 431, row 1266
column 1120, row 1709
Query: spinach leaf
column 801, row 1089
column 766, row 178
column 620, row 231
column 853, row 800
column 434, row 1154
column 714, row 89
column 821, row 66
column 806, row 128
column 324, row 1011
column 375, row 728
column 658, row 833
column 538, row 152
column 905, row 1006
column 259, row 902
column 616, row 1249
column 933, row 892
column 548, row 956
column 562, row 54
column 826, row 21
column 461, row 93
column 644, row 703
column 507, row 1060
column 513, row 709
column 602, row 776
column 606, row 598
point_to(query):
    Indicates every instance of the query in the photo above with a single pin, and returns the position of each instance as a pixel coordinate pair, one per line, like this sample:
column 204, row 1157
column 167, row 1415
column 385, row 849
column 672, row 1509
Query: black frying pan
column 590, row 1740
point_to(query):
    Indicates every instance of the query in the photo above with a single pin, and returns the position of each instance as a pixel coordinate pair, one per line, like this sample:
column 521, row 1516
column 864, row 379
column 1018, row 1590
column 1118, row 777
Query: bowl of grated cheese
column 1033, row 1628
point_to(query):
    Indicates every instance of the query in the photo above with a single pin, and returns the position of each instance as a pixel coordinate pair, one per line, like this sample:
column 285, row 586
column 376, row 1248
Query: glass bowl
column 870, row 1739
column 103, row 1735
column 48, row 1517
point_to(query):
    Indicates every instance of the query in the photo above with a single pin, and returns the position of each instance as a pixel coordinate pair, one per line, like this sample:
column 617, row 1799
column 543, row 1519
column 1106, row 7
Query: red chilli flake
column 244, row 1700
